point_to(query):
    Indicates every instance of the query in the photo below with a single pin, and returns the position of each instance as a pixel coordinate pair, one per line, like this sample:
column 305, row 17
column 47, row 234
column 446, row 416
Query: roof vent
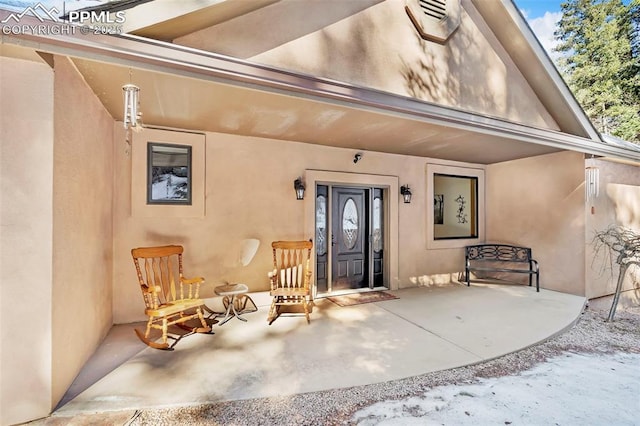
column 435, row 20
column 436, row 9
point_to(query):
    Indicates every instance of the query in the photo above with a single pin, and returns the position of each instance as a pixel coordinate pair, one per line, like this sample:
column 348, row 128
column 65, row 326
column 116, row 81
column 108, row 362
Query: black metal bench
column 500, row 258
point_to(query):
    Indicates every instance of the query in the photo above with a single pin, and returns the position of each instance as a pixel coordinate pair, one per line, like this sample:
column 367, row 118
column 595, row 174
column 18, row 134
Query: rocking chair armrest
column 153, row 289
column 193, row 289
column 273, row 278
column 196, row 280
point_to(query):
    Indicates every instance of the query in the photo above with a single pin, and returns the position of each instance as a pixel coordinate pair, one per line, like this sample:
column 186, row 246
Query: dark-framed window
column 169, row 172
column 455, row 206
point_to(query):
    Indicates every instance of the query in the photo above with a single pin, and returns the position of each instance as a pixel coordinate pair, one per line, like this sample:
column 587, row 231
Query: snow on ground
column 572, row 389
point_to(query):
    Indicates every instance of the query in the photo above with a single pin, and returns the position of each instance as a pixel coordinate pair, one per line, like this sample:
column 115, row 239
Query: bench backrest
column 501, row 252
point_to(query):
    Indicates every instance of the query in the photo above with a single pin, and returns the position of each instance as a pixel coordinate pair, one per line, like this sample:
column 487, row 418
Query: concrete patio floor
column 426, row 329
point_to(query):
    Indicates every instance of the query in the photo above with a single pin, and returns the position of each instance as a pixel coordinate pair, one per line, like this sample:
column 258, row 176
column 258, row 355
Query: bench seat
column 488, row 257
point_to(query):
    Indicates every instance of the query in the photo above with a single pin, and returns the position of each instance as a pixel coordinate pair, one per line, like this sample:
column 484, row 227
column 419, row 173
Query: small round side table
column 230, row 293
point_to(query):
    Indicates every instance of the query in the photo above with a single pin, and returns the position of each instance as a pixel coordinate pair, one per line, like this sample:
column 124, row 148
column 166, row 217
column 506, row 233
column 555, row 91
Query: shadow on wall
column 439, row 79
column 626, row 202
column 628, row 298
column 421, row 78
column 338, row 50
column 239, row 255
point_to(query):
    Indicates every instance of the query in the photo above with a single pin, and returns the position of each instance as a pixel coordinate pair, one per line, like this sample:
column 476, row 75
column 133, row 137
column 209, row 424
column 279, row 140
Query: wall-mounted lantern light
column 406, row 193
column 299, row 187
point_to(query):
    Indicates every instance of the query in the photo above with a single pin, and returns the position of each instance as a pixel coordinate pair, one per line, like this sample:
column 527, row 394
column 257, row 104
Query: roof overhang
column 170, row 19
column 195, row 90
column 513, row 32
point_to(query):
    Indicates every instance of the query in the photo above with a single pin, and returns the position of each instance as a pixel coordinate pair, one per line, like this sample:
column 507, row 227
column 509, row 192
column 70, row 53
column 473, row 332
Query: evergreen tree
column 600, row 43
column 634, row 25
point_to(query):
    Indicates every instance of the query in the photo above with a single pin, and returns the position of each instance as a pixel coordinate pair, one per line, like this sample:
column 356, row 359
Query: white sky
column 543, row 27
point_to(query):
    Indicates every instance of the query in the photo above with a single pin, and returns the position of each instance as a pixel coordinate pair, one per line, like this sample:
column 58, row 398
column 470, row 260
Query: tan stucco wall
column 249, row 194
column 538, row 202
column 26, row 173
column 82, row 225
column 617, row 204
column 380, row 48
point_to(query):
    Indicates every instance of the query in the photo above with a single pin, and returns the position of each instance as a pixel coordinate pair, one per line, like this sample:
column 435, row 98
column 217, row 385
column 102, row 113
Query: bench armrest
column 534, row 265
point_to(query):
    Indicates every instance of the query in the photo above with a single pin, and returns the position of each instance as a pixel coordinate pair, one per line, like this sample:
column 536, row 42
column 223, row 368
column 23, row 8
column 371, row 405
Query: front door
column 349, row 238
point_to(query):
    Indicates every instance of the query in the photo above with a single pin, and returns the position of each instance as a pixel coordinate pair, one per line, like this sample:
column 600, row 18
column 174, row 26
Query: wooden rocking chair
column 159, row 273
column 291, row 277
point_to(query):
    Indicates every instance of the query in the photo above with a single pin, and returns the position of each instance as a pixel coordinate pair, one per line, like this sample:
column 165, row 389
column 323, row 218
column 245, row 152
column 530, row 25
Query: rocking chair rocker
column 290, row 278
column 159, row 269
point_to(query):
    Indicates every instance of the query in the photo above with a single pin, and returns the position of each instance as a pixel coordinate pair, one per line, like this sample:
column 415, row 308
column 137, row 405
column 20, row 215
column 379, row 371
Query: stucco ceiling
column 174, row 101
column 190, row 90
column 178, row 101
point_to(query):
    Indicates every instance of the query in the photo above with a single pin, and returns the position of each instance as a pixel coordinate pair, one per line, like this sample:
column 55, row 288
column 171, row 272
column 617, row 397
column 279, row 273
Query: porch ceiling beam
column 164, row 57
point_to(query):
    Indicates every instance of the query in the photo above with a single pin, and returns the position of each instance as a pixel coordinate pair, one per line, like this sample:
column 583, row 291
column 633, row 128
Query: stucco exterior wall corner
column 618, row 204
column 83, row 166
column 539, row 202
column 26, row 232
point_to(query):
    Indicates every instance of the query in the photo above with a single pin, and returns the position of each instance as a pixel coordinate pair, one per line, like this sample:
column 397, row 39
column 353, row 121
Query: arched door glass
column 350, row 224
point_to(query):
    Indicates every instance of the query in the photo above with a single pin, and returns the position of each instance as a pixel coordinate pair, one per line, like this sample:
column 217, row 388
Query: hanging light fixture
column 299, row 187
column 406, row 193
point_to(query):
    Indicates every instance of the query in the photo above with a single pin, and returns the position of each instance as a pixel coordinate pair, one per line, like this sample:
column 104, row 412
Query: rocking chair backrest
column 291, row 264
column 159, row 273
